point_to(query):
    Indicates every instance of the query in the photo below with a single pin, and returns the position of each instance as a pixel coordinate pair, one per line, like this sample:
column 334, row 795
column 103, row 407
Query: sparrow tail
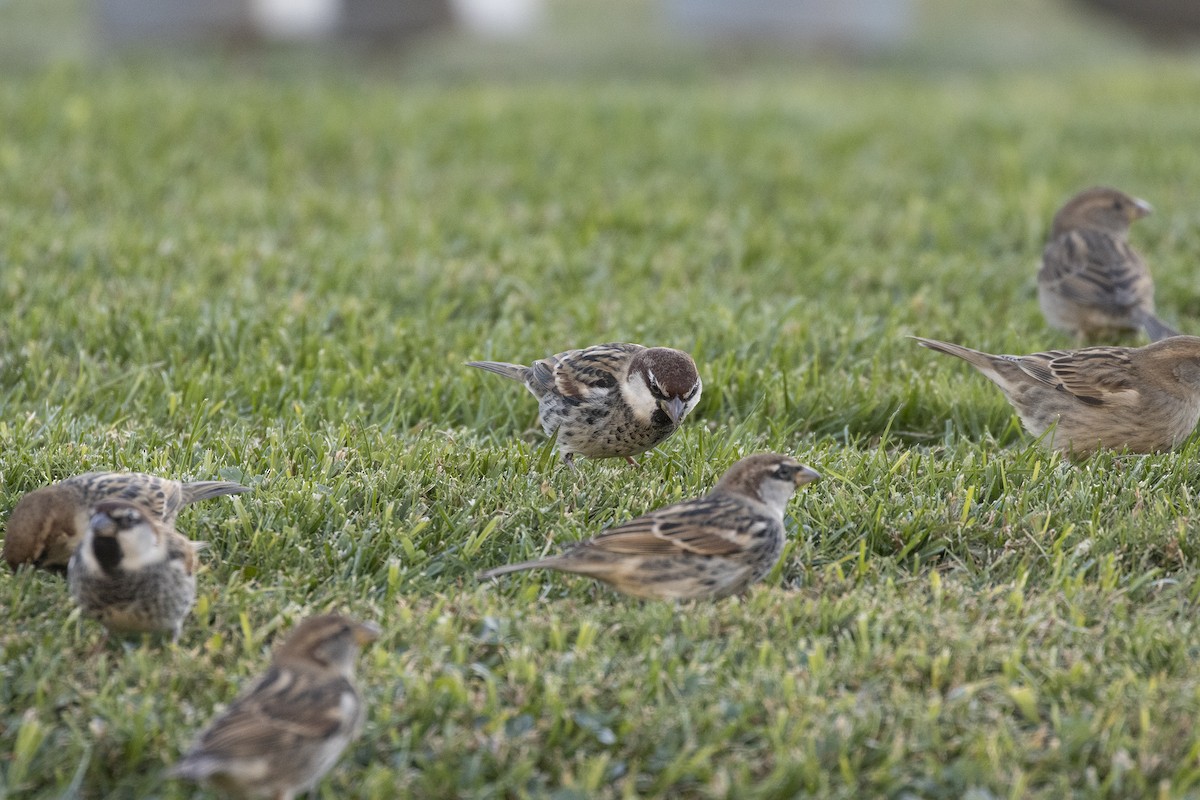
column 974, row 357
column 1155, row 328
column 206, row 490
column 194, row 768
column 507, row 568
column 514, row 372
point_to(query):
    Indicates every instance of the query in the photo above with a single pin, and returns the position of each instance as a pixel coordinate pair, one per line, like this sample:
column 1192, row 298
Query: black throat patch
column 108, row 552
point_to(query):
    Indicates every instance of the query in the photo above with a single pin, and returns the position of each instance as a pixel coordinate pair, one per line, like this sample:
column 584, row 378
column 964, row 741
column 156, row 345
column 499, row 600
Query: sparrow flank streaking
column 609, row 400
column 711, row 547
column 47, row 524
column 280, row 736
column 1091, row 281
column 132, row 573
column 1145, row 399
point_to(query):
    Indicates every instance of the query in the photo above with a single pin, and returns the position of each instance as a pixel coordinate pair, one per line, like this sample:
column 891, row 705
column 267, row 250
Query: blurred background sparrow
column 133, row 573
column 280, row 736
column 1144, row 399
column 1092, row 282
column 608, row 400
column 47, row 524
column 710, row 547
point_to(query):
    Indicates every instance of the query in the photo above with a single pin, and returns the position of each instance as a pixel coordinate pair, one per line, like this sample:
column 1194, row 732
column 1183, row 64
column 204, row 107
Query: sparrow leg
column 569, row 460
column 632, row 463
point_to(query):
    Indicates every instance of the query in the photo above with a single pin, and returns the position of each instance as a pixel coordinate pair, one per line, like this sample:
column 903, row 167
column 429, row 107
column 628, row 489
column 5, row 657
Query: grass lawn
column 268, row 271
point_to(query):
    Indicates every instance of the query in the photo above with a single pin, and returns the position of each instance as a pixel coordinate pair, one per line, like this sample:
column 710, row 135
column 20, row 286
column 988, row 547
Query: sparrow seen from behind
column 47, row 524
column 1092, row 282
column 608, row 400
column 1144, row 399
column 287, row 730
column 707, row 548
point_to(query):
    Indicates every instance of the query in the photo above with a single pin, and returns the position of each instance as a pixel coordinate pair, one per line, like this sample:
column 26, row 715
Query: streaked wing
column 1095, row 269
column 579, row 373
column 182, row 548
column 284, row 710
column 172, row 500
column 713, row 525
column 541, row 376
column 1094, row 373
column 1037, row 365
column 151, row 493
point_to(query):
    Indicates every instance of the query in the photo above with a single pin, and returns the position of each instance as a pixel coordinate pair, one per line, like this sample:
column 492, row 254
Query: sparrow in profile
column 1091, row 281
column 133, row 573
column 608, row 400
column 709, row 548
column 289, row 728
column 1145, row 399
column 47, row 524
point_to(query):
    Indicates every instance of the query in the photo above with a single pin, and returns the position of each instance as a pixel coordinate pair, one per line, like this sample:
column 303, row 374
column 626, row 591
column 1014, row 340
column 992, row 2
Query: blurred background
column 555, row 38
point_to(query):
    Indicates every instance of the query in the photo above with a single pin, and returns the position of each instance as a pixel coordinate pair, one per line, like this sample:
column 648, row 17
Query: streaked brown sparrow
column 1092, row 282
column 133, row 573
column 47, row 524
column 608, row 400
column 710, row 547
column 287, row 730
column 1145, row 399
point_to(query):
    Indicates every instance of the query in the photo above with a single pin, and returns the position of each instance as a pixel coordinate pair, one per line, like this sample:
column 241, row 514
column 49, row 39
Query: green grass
column 272, row 269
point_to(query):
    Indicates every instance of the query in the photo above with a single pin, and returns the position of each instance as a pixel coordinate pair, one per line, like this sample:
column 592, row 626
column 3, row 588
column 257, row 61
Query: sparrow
column 47, row 524
column 1091, row 281
column 1144, row 399
column 288, row 729
column 711, row 547
column 608, row 400
column 133, row 573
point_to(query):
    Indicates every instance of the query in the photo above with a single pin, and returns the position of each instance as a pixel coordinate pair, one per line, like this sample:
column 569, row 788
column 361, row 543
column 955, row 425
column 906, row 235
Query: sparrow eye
column 655, row 389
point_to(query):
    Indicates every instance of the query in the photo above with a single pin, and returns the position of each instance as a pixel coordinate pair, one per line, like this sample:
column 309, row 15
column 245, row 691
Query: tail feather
column 514, row 372
column 195, row 768
column 206, row 490
column 536, row 563
column 1155, row 328
column 973, row 357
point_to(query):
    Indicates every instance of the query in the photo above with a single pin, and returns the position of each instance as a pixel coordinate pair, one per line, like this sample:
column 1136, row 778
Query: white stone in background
column 853, row 22
column 139, row 22
column 296, row 19
column 501, row 19
column 387, row 22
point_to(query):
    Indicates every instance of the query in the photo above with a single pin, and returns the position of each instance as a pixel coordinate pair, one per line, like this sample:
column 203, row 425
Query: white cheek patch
column 695, row 399
column 140, row 547
column 776, row 494
column 637, row 395
column 84, row 553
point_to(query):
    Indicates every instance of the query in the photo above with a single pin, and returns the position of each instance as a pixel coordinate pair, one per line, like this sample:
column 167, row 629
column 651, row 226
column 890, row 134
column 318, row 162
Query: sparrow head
column 1100, row 208
column 328, row 643
column 122, row 535
column 767, row 477
column 672, row 379
column 1175, row 356
column 41, row 522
